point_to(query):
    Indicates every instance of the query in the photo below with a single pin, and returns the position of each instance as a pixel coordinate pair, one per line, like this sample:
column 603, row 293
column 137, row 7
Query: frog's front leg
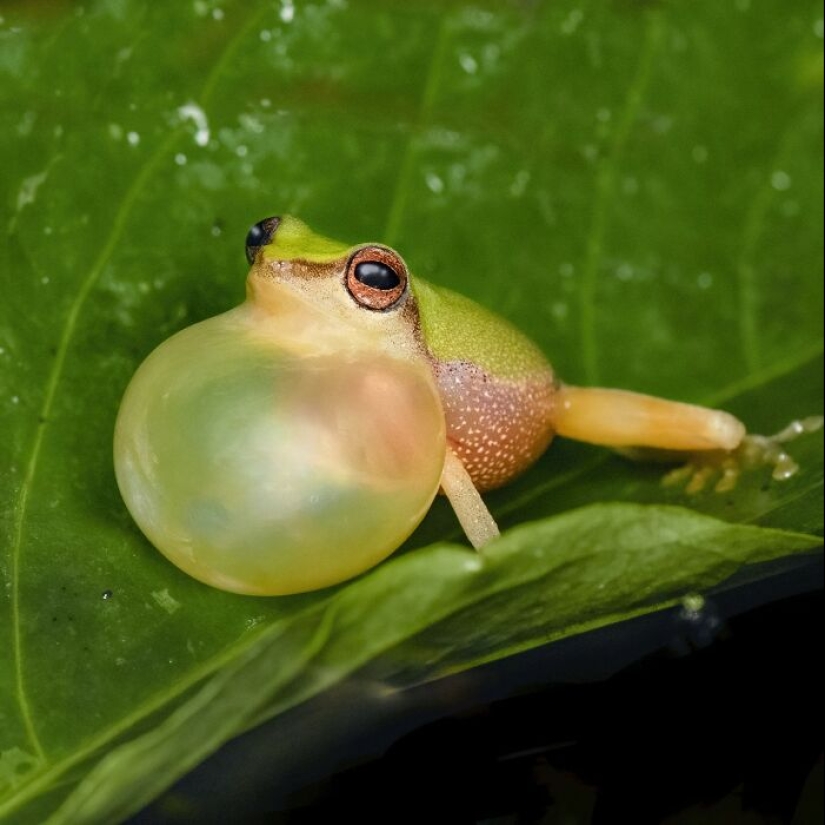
column 496, row 428
column 470, row 509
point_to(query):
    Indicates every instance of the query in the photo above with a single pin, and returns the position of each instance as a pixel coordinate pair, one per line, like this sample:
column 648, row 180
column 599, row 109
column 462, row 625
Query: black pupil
column 256, row 236
column 260, row 235
column 377, row 275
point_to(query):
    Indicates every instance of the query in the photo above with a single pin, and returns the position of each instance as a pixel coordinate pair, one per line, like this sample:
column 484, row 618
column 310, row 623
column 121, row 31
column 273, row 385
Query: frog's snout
column 259, row 235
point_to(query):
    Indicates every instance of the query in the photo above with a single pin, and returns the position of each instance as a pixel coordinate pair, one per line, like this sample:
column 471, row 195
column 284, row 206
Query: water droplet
column 572, row 22
column 241, row 151
column 560, row 310
column 781, row 181
column 790, row 208
column 165, row 600
column 604, row 115
column 193, row 112
column 44, row 280
column 624, row 272
column 15, row 399
column 700, row 154
column 106, row 595
column 663, row 124
column 468, row 63
column 693, row 604
column 251, row 123
column 630, row 186
column 287, row 11
column 590, row 151
column 180, row 159
column 819, row 28
column 705, row 280
column 472, row 564
column 115, row 131
column 567, row 270
column 265, row 35
column 26, row 123
column 519, row 185
column 216, row 230
column 133, row 138
column 28, row 189
column 434, row 183
column 217, row 14
column 699, row 623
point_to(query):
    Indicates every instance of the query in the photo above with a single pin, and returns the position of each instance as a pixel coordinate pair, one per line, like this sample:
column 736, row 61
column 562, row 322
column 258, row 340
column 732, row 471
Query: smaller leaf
column 437, row 610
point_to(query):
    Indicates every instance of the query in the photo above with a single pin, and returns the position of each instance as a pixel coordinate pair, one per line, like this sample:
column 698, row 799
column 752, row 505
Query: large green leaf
column 638, row 186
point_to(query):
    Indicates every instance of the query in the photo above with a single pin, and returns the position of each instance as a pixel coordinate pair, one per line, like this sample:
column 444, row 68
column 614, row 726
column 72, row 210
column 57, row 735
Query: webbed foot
column 724, row 468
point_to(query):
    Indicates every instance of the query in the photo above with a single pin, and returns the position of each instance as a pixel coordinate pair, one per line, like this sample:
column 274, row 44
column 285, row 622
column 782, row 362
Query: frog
column 297, row 440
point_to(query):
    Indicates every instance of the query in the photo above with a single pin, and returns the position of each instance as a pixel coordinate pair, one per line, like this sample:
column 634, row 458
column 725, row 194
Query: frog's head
column 320, row 287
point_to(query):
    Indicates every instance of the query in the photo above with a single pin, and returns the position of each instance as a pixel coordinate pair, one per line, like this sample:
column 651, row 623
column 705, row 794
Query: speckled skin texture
column 497, row 427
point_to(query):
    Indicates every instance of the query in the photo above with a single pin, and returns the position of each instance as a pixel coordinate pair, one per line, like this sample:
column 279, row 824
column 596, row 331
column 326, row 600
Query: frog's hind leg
column 472, row 512
column 616, row 418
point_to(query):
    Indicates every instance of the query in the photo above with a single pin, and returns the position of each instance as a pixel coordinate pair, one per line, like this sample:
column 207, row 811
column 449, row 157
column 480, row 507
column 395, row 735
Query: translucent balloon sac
column 260, row 470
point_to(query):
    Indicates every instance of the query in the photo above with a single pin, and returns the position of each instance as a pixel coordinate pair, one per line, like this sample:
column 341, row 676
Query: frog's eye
column 376, row 277
column 260, row 235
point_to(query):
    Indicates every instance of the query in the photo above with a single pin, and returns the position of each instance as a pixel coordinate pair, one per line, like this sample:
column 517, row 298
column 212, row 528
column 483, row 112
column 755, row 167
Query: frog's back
column 496, row 386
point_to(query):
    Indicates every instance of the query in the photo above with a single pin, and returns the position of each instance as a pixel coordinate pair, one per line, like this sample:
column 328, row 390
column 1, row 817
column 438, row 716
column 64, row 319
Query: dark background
column 710, row 716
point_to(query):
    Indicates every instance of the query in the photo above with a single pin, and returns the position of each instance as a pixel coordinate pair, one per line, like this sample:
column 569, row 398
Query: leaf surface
column 637, row 187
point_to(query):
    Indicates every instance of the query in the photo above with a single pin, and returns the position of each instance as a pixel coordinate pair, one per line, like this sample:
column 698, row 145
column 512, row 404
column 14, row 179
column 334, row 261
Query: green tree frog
column 296, row 440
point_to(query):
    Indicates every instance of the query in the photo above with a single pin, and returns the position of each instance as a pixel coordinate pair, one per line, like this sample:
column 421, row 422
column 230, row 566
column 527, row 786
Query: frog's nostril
column 260, row 235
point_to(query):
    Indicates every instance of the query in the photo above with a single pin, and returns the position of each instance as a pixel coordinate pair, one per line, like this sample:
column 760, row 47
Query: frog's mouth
column 275, row 291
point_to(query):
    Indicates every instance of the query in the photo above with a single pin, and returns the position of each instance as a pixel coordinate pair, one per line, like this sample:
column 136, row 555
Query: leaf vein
column 403, row 181
column 752, row 231
column 604, row 195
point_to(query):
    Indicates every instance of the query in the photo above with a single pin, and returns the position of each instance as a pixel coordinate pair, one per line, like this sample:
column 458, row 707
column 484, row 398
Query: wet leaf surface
column 638, row 186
